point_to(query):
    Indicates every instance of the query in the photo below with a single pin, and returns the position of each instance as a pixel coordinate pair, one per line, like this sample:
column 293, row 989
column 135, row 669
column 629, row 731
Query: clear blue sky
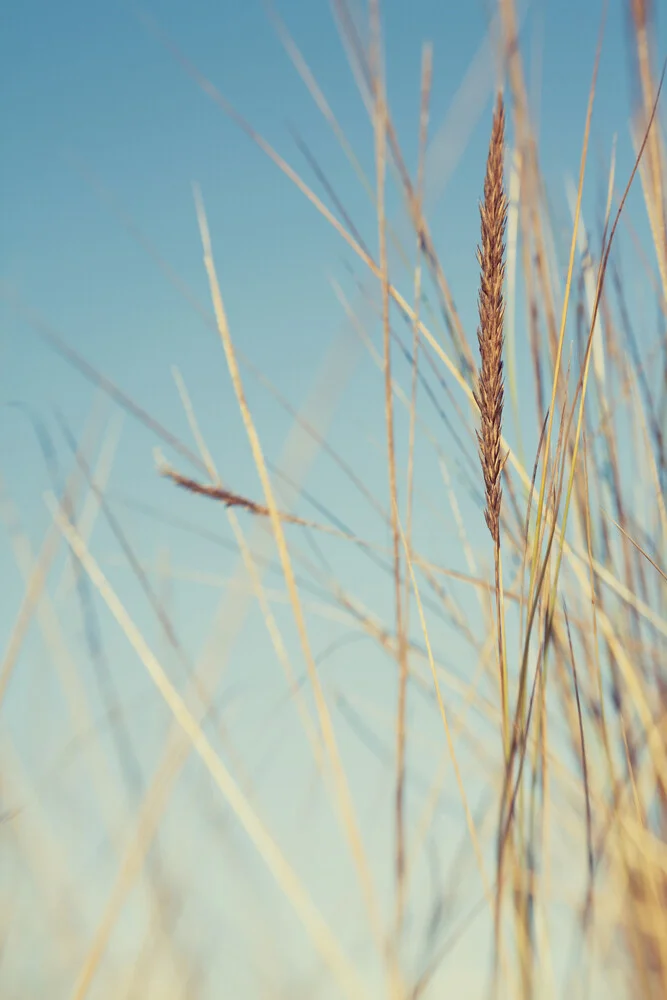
column 90, row 82
column 87, row 89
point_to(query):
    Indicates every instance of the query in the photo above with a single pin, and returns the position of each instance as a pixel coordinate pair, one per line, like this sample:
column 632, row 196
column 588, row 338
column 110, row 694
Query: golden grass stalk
column 489, row 390
column 380, row 122
column 427, row 71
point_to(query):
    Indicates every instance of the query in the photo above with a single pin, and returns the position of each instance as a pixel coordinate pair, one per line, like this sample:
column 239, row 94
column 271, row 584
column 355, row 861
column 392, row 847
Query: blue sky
column 92, row 92
column 87, row 91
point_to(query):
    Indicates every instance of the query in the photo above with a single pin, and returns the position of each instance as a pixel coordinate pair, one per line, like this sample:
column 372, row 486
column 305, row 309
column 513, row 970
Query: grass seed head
column 491, row 257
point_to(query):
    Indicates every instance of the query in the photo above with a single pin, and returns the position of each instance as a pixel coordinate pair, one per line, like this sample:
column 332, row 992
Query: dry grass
column 489, row 391
column 560, row 646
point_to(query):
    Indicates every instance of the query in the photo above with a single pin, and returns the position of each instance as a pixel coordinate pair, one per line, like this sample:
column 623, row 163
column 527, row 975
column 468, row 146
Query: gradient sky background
column 90, row 90
column 86, row 90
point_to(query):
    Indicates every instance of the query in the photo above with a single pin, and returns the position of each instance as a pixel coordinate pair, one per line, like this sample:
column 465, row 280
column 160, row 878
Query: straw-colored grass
column 497, row 788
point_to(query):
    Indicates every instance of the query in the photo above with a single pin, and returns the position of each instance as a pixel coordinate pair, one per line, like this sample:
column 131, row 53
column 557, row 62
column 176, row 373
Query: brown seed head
column 489, row 390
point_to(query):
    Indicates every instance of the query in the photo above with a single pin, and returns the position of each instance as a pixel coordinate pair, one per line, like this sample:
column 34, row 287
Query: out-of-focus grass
column 416, row 831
